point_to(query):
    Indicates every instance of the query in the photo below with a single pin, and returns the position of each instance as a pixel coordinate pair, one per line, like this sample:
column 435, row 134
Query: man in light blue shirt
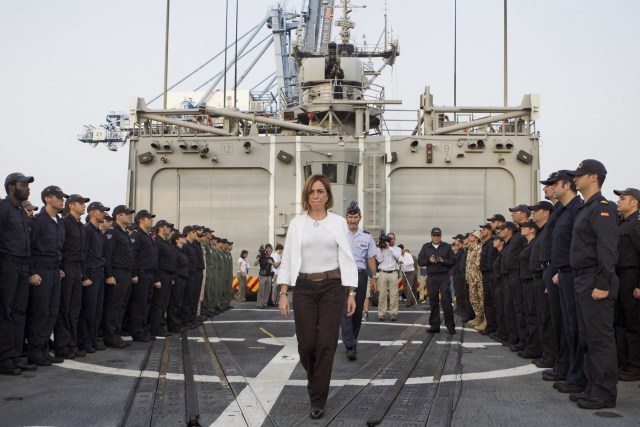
column 364, row 250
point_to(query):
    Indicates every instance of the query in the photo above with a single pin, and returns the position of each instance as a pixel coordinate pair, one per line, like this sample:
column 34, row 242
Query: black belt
column 387, row 271
column 319, row 277
column 587, row 270
column 18, row 259
column 362, row 270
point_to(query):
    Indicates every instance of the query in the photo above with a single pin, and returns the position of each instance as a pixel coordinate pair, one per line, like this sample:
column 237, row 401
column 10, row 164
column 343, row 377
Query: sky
column 68, row 63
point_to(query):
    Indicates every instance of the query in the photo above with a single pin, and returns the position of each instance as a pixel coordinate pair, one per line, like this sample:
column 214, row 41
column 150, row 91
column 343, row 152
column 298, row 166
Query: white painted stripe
column 266, row 388
column 215, row 339
column 470, row 344
column 501, row 373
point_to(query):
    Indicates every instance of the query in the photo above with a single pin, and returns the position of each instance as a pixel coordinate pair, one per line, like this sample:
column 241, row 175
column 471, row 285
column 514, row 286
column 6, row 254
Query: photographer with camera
column 265, row 262
column 438, row 257
column 389, row 257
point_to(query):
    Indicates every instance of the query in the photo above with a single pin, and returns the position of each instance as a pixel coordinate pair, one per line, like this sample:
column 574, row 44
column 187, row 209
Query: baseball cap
column 77, row 198
column 143, row 214
column 97, row 206
column 633, row 192
column 497, row 217
column 529, row 224
column 520, row 208
column 510, row 225
column 108, row 218
column 487, row 226
column 122, row 209
column 188, row 229
column 436, row 231
column 475, row 233
column 587, row 167
column 29, row 206
column 54, row 190
column 17, row 177
column 458, row 237
column 164, row 223
column 541, row 205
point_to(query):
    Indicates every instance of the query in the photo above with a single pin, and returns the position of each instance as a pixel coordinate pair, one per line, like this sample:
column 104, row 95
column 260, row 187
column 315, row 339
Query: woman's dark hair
column 279, row 246
column 174, row 238
column 244, row 253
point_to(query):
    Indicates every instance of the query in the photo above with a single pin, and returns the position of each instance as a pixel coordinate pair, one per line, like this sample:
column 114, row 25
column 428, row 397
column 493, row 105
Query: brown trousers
column 317, row 318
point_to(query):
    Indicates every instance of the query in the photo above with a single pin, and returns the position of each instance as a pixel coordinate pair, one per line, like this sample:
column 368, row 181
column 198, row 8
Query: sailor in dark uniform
column 166, row 271
column 74, row 254
column 191, row 290
column 47, row 239
column 174, row 313
column 628, row 270
column 146, row 261
column 119, row 273
column 594, row 254
column 93, row 296
column 15, row 250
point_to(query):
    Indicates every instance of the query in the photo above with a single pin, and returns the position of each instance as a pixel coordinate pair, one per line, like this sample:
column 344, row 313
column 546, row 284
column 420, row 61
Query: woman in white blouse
column 317, row 261
column 241, row 273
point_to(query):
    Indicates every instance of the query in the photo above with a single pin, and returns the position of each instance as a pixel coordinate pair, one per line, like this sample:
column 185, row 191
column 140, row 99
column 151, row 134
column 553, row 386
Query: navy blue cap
column 122, row 209
column 54, row 190
column 589, row 166
column 17, row 177
column 164, row 223
column 77, row 198
column 633, row 192
column 97, row 206
column 353, row 208
column 510, row 225
column 436, row 230
column 497, row 217
column 521, row 208
column 543, row 204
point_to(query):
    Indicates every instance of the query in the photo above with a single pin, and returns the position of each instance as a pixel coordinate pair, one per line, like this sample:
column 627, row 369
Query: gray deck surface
column 82, row 392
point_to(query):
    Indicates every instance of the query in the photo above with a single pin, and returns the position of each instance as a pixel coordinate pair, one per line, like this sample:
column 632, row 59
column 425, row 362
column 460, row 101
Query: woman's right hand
column 283, row 304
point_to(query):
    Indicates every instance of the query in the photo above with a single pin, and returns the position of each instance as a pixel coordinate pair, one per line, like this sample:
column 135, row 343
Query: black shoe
column 594, row 403
column 351, row 354
column 142, row 338
column 161, row 334
column 65, row 354
column 8, row 368
column 574, row 397
column 99, row 346
column 552, row 376
column 195, row 325
column 80, row 353
column 516, row 348
column 25, row 366
column 40, row 361
column 452, row 331
column 53, row 359
column 628, row 376
column 115, row 344
column 564, row 387
column 90, row 350
column 316, row 413
column 544, row 364
column 433, row 330
column 527, row 355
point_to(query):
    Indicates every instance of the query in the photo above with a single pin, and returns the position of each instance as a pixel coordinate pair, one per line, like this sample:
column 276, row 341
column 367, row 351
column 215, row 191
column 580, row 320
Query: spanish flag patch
column 604, row 213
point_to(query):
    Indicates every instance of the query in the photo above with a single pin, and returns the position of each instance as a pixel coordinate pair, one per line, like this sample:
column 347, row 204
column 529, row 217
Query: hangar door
column 456, row 200
column 234, row 202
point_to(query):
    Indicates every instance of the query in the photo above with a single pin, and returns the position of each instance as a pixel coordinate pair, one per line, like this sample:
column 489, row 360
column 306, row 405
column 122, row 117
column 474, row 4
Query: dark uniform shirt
column 486, row 257
column 75, row 242
column 497, row 265
column 166, row 256
column 14, row 230
column 524, row 257
column 629, row 242
column 199, row 255
column 192, row 257
column 562, row 232
column 182, row 262
column 511, row 252
column 503, row 258
column 594, row 243
column 535, row 264
column 47, row 240
column 546, row 237
column 95, row 250
column 144, row 250
column 118, row 251
column 443, row 251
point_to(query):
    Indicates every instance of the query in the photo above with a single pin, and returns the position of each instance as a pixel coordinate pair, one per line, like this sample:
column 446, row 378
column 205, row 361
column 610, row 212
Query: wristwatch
column 283, row 293
column 351, row 291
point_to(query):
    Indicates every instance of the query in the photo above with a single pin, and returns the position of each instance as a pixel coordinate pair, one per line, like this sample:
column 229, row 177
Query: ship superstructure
column 241, row 170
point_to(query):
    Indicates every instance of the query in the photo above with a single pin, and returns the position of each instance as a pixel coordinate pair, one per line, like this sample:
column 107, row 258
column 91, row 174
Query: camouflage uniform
column 474, row 278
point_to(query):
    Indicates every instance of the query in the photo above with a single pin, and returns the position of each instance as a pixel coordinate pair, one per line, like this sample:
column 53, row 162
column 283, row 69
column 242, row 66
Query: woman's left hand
column 351, row 305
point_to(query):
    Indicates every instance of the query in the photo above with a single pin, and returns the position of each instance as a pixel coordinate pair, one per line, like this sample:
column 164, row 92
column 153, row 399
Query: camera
column 261, row 250
column 383, row 240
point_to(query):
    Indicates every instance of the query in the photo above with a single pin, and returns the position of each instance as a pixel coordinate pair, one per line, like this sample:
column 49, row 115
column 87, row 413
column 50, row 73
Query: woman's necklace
column 315, row 221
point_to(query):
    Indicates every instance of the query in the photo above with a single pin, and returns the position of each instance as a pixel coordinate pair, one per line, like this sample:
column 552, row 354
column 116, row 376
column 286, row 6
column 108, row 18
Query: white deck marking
column 470, row 344
column 501, row 373
column 266, row 388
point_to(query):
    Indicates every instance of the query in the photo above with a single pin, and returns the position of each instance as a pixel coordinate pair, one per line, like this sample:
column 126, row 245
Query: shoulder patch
column 604, row 202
